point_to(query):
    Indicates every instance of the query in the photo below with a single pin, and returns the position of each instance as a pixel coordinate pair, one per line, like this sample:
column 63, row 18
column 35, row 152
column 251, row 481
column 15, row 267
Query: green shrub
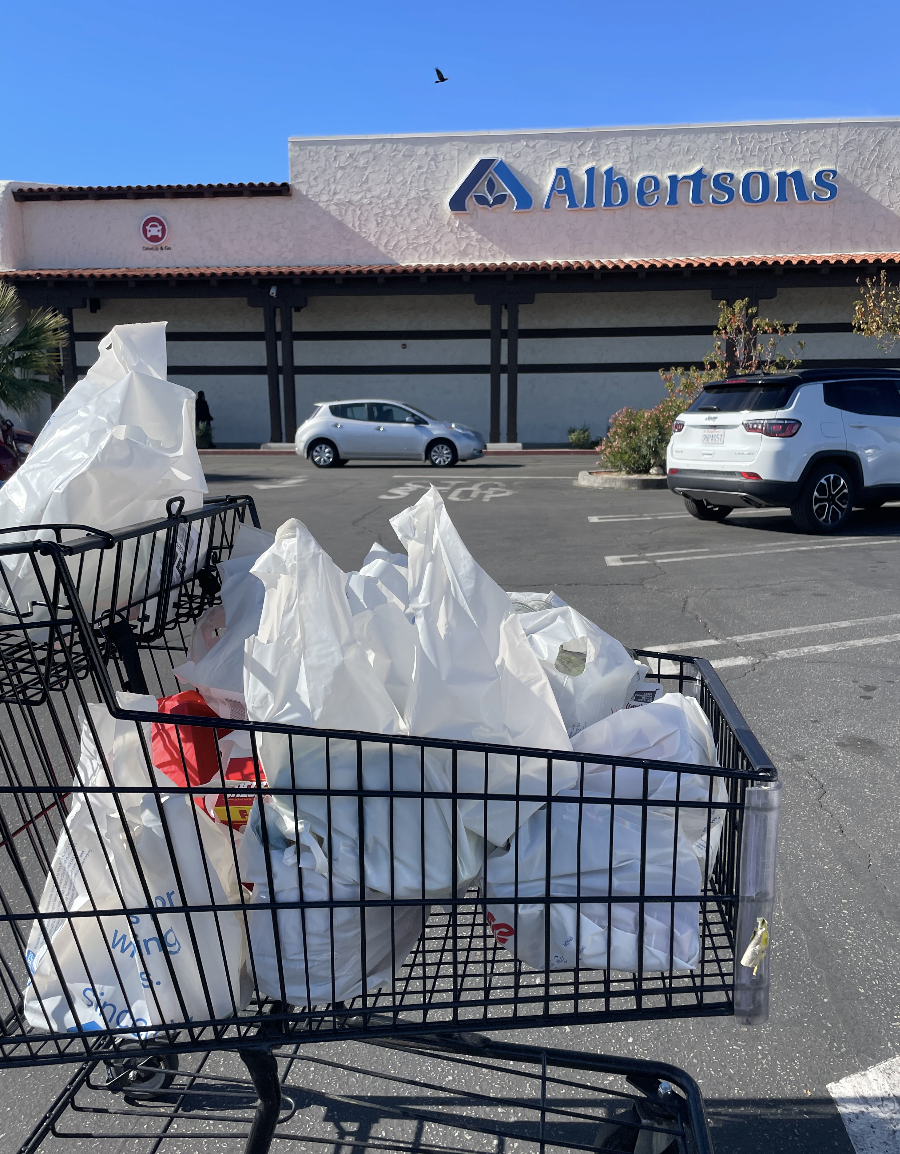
column 637, row 438
column 580, row 438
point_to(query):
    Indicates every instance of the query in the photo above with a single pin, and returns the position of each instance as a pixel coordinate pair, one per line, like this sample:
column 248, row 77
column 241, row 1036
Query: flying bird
column 440, row 76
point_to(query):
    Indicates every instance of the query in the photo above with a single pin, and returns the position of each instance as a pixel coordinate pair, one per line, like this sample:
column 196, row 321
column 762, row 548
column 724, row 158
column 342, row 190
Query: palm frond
column 29, row 349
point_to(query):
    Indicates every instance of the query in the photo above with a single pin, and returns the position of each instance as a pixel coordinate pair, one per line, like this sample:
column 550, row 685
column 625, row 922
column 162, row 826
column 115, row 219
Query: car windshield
column 747, row 396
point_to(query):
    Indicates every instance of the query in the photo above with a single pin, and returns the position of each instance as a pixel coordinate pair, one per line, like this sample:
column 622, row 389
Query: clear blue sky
column 123, row 93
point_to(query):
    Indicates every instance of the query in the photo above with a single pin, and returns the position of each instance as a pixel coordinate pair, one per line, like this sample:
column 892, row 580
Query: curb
column 620, row 481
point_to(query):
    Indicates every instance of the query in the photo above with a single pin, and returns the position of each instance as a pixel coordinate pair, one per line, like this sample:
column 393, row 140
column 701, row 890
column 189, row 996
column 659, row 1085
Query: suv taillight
column 773, row 428
column 677, row 426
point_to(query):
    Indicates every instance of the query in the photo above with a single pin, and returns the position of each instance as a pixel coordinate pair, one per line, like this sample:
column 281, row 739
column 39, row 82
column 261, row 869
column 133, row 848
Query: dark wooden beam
column 496, row 338
column 275, row 430
column 287, row 371
column 512, row 371
column 69, row 360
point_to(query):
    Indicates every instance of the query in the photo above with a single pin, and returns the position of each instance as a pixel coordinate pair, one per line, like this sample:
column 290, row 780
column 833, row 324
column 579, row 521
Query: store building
column 521, row 282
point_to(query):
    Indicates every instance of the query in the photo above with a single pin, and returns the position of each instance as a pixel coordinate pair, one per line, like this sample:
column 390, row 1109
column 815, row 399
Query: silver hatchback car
column 341, row 431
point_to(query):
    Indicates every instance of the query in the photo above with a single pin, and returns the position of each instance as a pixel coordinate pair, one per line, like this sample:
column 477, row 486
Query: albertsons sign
column 492, row 184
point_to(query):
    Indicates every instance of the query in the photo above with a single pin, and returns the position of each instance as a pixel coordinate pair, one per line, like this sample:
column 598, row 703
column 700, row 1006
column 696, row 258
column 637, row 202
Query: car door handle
column 859, row 426
column 336, row 425
column 380, row 428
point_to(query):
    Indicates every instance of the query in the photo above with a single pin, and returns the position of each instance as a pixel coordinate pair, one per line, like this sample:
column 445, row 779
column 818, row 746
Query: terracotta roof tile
column 353, row 270
column 151, row 191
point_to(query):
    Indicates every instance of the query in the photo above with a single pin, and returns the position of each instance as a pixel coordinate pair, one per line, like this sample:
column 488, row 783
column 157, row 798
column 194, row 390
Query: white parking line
column 279, row 484
column 680, row 516
column 644, row 517
column 672, row 553
column 869, row 1104
column 806, row 651
column 741, row 638
column 661, row 559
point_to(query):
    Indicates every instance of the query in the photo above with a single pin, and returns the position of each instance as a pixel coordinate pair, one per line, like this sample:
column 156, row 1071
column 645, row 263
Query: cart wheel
column 147, row 1072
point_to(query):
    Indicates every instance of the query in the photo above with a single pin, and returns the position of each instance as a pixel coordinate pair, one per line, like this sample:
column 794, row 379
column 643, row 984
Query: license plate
column 712, row 438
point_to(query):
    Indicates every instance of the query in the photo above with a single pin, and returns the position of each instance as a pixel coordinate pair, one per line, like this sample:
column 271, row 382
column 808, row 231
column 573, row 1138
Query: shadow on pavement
column 800, row 1125
column 862, row 523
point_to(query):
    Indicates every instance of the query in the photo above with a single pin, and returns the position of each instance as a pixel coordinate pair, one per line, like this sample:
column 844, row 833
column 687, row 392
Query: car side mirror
column 411, row 420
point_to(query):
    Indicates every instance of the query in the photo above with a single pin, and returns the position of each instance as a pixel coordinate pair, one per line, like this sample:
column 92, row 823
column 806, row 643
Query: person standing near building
column 204, row 422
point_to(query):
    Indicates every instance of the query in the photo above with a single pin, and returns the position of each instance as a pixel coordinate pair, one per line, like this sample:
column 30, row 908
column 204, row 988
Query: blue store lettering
column 491, row 183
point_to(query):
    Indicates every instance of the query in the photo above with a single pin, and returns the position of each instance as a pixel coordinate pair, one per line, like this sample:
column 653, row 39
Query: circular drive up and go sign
column 154, row 229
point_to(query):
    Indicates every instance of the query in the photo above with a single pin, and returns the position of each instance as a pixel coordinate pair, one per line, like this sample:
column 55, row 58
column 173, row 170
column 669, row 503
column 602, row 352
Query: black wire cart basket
column 177, row 884
column 133, row 587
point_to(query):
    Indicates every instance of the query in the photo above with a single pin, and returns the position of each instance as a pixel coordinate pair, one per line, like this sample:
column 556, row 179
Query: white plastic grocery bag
column 308, row 663
column 596, row 853
column 322, row 954
column 403, row 846
column 117, row 448
column 145, row 968
column 672, row 728
column 215, row 662
column 477, row 677
column 672, row 844
column 591, row 674
column 319, row 661
column 389, row 571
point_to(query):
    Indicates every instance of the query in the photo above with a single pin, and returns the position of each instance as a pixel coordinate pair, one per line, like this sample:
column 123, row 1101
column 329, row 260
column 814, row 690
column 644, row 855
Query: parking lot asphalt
column 805, row 632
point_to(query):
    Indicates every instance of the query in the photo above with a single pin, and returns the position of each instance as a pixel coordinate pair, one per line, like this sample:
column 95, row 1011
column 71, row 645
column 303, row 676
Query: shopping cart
column 134, row 587
column 125, row 961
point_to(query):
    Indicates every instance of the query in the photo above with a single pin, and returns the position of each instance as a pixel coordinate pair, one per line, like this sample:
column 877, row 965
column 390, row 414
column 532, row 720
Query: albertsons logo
column 490, row 184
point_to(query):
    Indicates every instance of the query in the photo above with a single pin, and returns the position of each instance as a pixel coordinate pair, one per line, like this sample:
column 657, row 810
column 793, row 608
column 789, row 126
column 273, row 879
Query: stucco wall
column 365, row 200
column 549, row 402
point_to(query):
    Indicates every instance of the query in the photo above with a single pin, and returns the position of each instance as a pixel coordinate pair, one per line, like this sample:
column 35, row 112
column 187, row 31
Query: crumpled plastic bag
column 477, row 677
column 215, row 657
column 591, row 674
column 672, row 728
column 117, row 448
column 583, row 841
column 321, row 955
column 390, row 574
column 308, row 663
column 315, row 662
column 673, row 847
column 141, row 969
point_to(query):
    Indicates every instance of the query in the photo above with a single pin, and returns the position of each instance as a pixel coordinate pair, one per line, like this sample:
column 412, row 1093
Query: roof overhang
column 864, row 261
column 150, row 191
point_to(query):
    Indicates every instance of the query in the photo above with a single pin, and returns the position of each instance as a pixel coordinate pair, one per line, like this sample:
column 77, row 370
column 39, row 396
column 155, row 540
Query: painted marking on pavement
column 525, row 477
column 869, row 1104
column 661, row 559
column 741, row 638
column 279, row 484
column 456, row 490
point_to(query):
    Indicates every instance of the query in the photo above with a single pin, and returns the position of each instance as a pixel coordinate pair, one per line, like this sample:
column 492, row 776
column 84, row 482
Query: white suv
column 816, row 441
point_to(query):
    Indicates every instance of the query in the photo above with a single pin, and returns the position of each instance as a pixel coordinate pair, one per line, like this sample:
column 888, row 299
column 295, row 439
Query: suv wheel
column 825, row 501
column 442, row 454
column 706, row 512
column 324, row 455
